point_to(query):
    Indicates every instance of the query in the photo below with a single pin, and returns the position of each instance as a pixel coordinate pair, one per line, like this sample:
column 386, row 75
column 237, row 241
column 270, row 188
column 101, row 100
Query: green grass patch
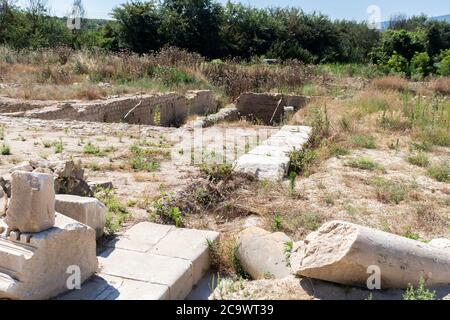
column 440, row 172
column 421, row 160
column 92, row 149
column 391, row 192
column 363, row 141
column 116, row 213
column 5, row 150
column 364, row 164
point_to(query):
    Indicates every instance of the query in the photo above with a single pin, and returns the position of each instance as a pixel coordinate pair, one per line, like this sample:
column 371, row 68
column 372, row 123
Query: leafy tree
column 7, row 19
column 403, row 42
column 194, row 25
column 138, row 26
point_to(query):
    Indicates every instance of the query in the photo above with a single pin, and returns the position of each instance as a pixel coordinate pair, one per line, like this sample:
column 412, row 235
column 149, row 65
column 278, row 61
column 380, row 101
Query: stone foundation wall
column 165, row 109
column 263, row 106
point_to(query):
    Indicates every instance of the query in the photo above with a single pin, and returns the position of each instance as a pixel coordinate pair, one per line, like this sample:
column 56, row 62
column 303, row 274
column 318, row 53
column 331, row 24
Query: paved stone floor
column 150, row 262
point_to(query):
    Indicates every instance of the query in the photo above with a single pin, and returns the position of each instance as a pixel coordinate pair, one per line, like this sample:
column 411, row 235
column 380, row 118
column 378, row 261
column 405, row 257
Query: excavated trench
column 164, row 109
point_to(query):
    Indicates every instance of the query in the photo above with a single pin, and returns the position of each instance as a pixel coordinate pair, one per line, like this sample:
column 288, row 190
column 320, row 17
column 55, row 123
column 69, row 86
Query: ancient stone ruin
column 164, row 109
column 269, row 108
column 336, row 263
column 39, row 247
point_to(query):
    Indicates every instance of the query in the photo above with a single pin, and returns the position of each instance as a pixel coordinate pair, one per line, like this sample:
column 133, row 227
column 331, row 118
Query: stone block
column 264, row 167
column 36, row 266
column 89, row 211
column 32, row 204
column 188, row 244
column 262, row 254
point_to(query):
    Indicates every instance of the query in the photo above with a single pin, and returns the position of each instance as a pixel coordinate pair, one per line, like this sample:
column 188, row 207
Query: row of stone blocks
column 149, row 262
column 270, row 161
column 40, row 248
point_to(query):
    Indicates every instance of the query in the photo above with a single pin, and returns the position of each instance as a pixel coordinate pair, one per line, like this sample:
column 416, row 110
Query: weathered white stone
column 195, row 244
column 89, row 211
column 100, row 185
column 262, row 254
column 269, row 151
column 36, row 265
column 24, row 166
column 270, row 161
column 342, row 252
column 104, row 287
column 3, row 202
column 141, row 237
column 175, row 273
column 62, row 169
column 32, row 204
column 263, row 167
column 441, row 243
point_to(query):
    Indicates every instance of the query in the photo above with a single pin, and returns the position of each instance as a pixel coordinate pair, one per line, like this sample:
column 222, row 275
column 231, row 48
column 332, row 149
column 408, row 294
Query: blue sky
column 336, row 9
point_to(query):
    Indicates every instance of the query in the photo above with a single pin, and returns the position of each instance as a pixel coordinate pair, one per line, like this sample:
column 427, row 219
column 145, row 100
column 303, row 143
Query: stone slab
column 175, row 273
column 191, row 245
column 104, row 287
column 142, row 237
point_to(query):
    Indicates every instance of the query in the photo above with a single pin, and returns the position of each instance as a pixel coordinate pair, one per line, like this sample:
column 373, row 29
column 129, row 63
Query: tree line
column 413, row 46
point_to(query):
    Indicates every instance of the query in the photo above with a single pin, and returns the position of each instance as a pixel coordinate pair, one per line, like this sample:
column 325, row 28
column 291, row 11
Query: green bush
column 420, row 293
column 398, row 64
column 443, row 66
column 420, row 65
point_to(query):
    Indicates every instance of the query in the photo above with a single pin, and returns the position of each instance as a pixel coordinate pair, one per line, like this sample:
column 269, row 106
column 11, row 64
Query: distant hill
column 442, row 18
column 385, row 24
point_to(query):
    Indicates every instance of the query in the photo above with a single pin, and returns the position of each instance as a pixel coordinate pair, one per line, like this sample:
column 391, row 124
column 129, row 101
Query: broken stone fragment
column 347, row 253
column 62, row 169
column 24, row 166
column 262, row 254
column 32, row 205
column 96, row 186
column 3, row 202
column 89, row 211
column 5, row 184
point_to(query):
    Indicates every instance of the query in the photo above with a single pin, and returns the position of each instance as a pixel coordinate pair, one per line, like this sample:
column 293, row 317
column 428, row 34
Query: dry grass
column 441, row 85
column 390, row 83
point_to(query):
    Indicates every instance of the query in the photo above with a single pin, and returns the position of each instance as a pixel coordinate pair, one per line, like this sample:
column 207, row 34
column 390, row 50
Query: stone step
column 6, row 280
column 149, row 262
column 270, row 160
column 13, row 255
